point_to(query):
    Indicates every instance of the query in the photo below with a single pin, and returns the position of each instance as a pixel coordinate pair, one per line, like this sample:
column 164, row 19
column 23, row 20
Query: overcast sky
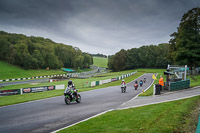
column 96, row 26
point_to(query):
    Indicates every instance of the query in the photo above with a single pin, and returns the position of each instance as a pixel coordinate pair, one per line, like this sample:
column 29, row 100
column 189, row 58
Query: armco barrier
column 32, row 77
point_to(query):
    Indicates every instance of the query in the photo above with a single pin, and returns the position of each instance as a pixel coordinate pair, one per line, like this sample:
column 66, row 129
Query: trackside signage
column 9, row 92
column 30, row 90
column 38, row 89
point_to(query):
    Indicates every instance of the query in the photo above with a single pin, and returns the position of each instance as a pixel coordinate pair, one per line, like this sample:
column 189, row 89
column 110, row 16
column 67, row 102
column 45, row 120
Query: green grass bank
column 100, row 61
column 8, row 71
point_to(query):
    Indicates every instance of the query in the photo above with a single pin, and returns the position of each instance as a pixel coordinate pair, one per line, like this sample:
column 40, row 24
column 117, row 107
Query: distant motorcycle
column 70, row 97
column 141, row 83
column 144, row 80
column 123, row 88
column 136, row 86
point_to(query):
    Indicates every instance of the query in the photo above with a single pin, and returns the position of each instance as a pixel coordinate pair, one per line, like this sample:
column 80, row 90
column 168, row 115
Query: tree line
column 40, row 53
column 182, row 49
column 99, row 55
column 151, row 56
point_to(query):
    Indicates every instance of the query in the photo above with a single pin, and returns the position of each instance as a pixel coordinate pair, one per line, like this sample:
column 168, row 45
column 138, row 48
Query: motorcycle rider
column 74, row 94
column 123, row 82
column 136, row 85
column 144, row 79
column 141, row 83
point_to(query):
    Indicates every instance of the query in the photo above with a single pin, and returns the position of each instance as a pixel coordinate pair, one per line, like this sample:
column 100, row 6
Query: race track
column 51, row 114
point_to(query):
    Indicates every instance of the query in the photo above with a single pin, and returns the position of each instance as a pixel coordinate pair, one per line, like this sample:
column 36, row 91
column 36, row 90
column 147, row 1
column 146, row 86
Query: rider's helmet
column 123, row 80
column 70, row 83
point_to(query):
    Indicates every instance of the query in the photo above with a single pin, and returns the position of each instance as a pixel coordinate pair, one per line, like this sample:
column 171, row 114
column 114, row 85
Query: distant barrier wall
column 96, row 83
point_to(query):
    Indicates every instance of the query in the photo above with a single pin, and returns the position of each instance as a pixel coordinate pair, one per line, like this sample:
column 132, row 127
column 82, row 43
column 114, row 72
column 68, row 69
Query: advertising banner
column 60, row 86
column 9, row 92
column 113, row 79
column 50, row 88
column 26, row 90
column 38, row 89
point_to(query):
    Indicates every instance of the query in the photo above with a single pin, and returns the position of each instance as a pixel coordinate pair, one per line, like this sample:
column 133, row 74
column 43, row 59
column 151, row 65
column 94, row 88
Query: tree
column 186, row 42
column 119, row 60
column 87, row 61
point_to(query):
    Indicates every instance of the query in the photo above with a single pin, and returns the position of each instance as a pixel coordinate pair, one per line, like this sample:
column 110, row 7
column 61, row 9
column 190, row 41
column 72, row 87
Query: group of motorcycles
column 123, row 86
column 71, row 94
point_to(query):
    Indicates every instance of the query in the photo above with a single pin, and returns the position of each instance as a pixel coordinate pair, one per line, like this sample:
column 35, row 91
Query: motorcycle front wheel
column 79, row 99
column 67, row 100
column 122, row 89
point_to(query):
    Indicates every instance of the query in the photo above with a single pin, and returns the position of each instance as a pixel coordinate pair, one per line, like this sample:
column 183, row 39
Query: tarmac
column 163, row 97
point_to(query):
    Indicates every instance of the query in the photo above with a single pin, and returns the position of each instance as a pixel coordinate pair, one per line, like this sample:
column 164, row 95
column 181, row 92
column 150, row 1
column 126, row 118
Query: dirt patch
column 193, row 78
column 34, row 83
column 191, row 119
column 60, row 78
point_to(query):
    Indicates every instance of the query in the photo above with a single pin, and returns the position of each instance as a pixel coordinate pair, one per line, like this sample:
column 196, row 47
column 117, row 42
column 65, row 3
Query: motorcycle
column 123, row 88
column 144, row 80
column 136, row 86
column 141, row 83
column 70, row 97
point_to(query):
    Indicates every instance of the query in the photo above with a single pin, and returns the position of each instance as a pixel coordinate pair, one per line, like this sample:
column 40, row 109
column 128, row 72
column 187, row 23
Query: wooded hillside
column 40, row 53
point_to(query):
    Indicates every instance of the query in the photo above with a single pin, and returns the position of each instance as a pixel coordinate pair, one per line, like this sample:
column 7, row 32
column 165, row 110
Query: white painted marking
column 139, row 93
column 83, row 120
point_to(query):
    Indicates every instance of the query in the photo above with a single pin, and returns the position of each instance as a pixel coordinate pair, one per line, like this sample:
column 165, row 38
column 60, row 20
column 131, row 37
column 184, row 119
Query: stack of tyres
column 158, row 89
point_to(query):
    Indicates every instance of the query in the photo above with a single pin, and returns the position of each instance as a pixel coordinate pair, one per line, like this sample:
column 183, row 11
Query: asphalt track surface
column 51, row 114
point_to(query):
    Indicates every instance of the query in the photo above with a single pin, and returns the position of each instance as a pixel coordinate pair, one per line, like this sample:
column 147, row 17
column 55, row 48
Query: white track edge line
column 140, row 92
column 83, row 120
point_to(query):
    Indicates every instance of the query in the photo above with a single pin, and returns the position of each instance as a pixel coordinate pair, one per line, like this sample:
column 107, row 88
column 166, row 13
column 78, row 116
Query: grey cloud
column 96, row 26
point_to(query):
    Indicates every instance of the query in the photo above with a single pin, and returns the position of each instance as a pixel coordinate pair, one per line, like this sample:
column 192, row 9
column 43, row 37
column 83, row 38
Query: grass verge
column 194, row 80
column 9, row 71
column 169, row 117
column 100, row 61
